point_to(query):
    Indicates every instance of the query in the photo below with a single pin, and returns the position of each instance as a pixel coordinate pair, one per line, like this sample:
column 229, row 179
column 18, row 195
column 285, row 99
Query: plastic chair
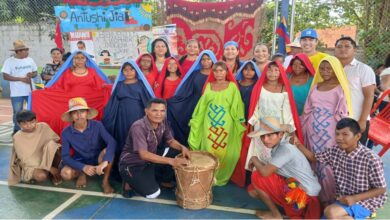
column 379, row 131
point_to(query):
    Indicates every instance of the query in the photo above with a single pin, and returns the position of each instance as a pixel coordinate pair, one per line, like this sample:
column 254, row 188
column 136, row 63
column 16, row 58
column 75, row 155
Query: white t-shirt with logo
column 359, row 76
column 19, row 68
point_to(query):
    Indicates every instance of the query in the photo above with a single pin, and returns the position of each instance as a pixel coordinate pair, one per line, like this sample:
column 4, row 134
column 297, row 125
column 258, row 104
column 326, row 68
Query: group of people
column 294, row 134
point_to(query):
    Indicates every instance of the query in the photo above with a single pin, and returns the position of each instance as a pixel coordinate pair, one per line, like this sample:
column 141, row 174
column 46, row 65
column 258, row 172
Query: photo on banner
column 86, row 37
column 168, row 33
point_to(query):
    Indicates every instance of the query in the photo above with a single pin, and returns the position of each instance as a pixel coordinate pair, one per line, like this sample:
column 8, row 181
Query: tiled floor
column 65, row 202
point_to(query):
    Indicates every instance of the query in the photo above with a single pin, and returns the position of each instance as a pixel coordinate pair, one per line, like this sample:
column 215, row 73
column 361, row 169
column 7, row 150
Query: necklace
column 82, row 73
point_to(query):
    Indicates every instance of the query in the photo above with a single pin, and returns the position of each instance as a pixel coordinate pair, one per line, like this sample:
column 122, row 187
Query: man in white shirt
column 19, row 71
column 362, row 83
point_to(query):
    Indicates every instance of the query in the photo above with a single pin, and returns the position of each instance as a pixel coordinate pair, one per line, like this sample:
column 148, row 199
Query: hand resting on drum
column 179, row 162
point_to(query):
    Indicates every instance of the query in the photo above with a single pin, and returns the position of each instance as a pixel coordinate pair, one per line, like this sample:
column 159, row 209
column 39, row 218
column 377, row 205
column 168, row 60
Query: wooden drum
column 194, row 182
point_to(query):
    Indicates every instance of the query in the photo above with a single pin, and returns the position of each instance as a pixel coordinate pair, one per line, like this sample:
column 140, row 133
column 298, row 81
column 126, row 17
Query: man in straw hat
column 287, row 180
column 87, row 147
column 292, row 48
column 141, row 165
column 19, row 70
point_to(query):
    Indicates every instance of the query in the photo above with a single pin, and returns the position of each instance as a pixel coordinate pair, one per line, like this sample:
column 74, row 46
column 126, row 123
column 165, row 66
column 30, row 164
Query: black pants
column 141, row 178
column 363, row 140
column 164, row 172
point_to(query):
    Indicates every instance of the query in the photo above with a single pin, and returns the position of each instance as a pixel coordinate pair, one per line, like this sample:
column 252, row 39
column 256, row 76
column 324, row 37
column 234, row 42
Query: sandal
column 127, row 193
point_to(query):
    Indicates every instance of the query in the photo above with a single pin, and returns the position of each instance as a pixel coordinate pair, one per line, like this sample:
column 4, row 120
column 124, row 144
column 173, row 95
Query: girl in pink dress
column 327, row 103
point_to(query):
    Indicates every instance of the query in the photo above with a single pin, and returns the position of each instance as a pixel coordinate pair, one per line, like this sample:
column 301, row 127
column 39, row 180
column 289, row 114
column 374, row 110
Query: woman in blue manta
column 130, row 94
column 187, row 94
column 246, row 77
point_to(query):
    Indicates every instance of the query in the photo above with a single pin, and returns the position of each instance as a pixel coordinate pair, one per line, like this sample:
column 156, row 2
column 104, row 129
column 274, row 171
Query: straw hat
column 19, row 45
column 295, row 43
column 78, row 103
column 269, row 125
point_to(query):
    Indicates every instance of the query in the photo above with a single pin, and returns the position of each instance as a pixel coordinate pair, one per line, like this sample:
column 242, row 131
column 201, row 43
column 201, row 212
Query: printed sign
column 135, row 17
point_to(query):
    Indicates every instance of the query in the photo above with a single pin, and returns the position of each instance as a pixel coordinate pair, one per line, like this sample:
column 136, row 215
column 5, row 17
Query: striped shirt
column 356, row 172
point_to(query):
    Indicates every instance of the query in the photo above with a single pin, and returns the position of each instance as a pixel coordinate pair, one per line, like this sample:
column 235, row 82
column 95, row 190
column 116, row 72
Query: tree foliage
column 372, row 19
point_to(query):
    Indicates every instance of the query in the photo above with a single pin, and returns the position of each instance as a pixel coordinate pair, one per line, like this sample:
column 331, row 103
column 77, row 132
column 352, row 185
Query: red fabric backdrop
column 214, row 23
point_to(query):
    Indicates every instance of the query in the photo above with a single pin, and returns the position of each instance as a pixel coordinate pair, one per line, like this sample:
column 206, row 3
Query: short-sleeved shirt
column 359, row 76
column 292, row 163
column 87, row 145
column 19, row 68
column 356, row 172
column 50, row 69
column 142, row 136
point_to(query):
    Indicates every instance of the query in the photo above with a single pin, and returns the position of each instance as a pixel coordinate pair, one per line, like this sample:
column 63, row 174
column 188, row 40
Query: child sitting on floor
column 36, row 153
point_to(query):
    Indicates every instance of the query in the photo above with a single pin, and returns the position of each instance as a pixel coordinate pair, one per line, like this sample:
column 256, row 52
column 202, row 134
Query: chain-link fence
column 372, row 19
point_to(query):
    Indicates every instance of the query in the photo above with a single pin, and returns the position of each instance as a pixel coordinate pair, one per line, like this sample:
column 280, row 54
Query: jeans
column 17, row 105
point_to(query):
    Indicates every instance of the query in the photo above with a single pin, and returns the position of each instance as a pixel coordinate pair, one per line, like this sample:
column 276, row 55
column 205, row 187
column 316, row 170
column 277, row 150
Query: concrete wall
column 35, row 36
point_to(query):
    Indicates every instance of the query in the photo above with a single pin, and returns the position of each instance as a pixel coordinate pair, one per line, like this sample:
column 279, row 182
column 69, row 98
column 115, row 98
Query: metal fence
column 373, row 24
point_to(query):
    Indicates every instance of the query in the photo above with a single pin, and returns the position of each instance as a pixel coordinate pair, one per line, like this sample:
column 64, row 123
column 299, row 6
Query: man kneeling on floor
column 87, row 147
column 36, row 153
column 287, row 181
column 139, row 157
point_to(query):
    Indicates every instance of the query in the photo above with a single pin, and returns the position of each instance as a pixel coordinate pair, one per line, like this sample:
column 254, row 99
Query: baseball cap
column 309, row 33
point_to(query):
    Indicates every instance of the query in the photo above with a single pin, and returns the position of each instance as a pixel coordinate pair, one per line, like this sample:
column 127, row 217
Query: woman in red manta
column 78, row 77
column 169, row 79
column 271, row 96
column 148, row 67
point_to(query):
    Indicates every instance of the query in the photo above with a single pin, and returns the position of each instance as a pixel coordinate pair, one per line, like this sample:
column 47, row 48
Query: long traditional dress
column 264, row 103
column 51, row 102
column 246, row 91
column 127, row 104
column 216, row 127
column 32, row 150
column 153, row 72
column 165, row 88
column 301, row 92
column 182, row 104
column 323, row 109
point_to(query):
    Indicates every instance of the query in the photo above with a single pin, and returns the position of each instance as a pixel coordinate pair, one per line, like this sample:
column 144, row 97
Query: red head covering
column 211, row 78
column 153, row 74
column 238, row 176
column 306, row 62
column 158, row 88
column 282, row 79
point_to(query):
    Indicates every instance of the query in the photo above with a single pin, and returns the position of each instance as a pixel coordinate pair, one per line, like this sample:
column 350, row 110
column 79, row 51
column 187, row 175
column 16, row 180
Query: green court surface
column 27, row 201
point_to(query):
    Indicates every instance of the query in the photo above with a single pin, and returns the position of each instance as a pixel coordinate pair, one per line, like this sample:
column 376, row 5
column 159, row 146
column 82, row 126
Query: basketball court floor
column 66, row 202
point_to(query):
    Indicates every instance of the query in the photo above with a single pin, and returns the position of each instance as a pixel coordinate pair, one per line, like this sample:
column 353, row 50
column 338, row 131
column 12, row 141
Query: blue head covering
column 196, row 66
column 69, row 63
column 230, row 43
column 240, row 76
column 140, row 76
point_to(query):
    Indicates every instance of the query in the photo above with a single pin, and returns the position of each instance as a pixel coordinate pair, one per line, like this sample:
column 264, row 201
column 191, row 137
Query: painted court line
column 135, row 198
column 62, row 207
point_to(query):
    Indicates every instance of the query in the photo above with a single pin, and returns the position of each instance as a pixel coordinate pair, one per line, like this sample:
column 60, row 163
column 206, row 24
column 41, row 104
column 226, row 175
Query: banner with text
column 134, row 17
column 100, row 2
column 112, row 48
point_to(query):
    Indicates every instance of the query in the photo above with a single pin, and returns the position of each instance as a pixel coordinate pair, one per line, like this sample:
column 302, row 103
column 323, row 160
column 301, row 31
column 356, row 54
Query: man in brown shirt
column 139, row 156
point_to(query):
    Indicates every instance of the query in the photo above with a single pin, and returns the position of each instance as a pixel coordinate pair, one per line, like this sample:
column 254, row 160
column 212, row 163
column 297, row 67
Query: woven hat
column 78, row 103
column 269, row 125
column 19, row 45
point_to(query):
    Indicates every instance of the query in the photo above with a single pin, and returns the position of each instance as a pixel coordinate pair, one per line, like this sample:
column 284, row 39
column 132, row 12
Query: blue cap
column 309, row 33
column 230, row 43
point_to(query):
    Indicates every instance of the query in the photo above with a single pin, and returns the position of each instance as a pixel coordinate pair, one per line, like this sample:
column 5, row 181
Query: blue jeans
column 17, row 105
